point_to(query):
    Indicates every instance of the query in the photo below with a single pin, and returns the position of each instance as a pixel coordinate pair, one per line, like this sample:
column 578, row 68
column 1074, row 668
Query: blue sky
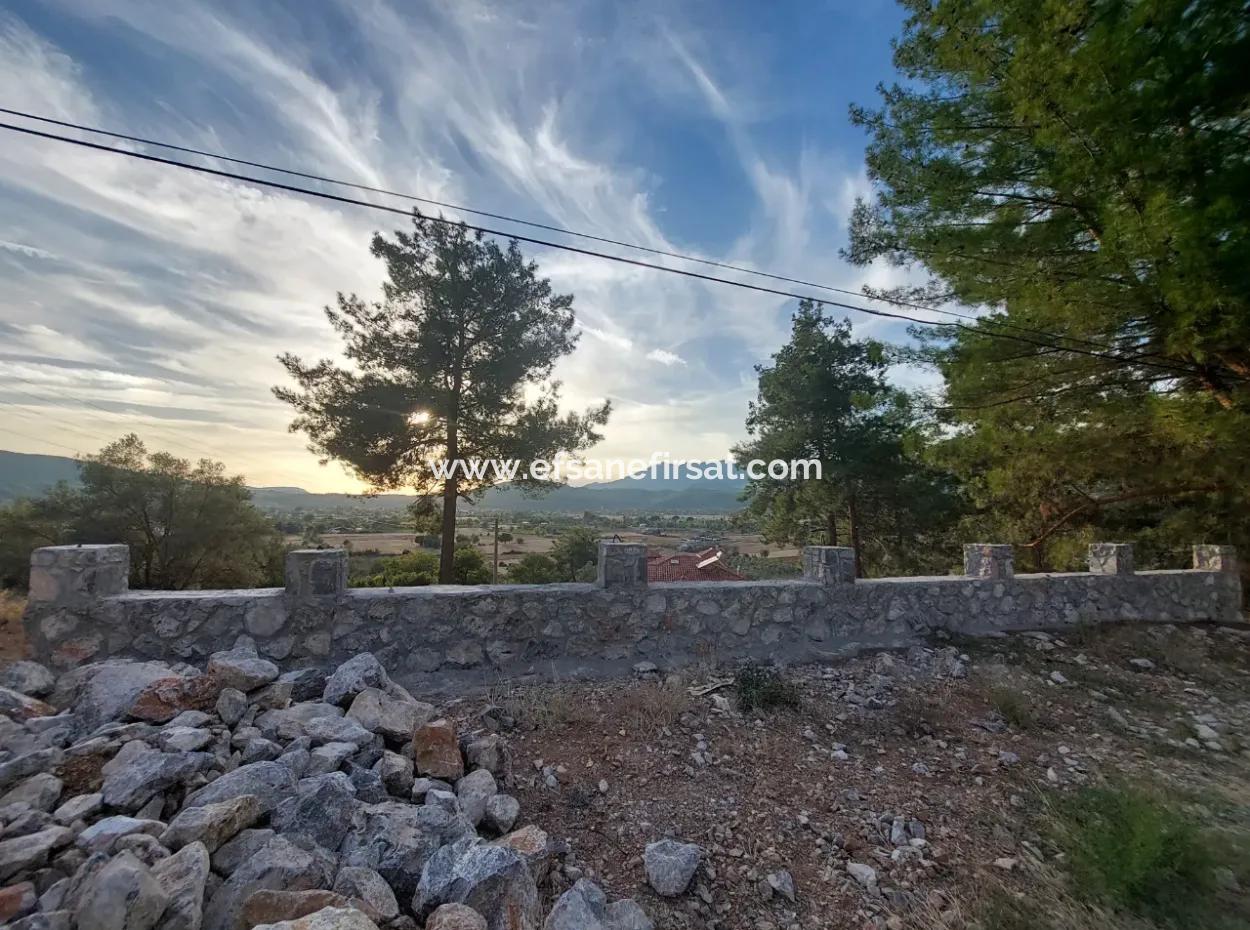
column 138, row 297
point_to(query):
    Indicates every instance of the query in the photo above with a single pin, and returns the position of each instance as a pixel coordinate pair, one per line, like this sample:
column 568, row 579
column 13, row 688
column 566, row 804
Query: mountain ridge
column 24, row 474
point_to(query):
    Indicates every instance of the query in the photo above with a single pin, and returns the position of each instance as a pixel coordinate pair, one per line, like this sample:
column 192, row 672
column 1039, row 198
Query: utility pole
column 494, row 568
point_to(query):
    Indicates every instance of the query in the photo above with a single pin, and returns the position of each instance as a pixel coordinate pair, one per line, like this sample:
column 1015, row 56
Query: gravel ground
column 902, row 789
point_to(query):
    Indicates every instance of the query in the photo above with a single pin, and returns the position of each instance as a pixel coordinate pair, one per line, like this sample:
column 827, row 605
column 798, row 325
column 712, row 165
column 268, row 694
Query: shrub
column 1015, row 707
column 761, row 688
column 1130, row 848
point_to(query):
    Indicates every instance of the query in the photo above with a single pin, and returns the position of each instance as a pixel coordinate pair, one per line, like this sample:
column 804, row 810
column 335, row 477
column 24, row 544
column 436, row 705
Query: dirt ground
column 957, row 750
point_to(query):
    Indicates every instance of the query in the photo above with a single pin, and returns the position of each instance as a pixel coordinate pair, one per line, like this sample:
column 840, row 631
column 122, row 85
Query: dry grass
column 655, row 704
column 12, row 635
column 541, row 708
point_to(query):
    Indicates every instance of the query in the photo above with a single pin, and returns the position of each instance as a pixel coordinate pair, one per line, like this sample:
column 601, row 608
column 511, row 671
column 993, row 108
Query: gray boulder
column 29, row 678
column 104, row 691
column 132, row 785
column 122, row 895
column 26, row 853
column 355, row 675
column 79, row 808
column 102, row 835
column 29, row 763
column 306, row 683
column 328, row 758
column 322, row 810
column 474, row 792
column 493, row 880
column 396, row 840
column 395, row 720
column 368, row 886
column 40, row 792
column 585, row 907
column 183, row 877
column 231, row 706
column 184, row 739
column 501, row 813
column 278, row 865
column 211, row 825
column 270, row 782
column 44, row 920
column 241, row 668
column 487, row 752
column 288, row 723
column 233, row 853
column 336, row 730
column 328, row 918
column 455, row 917
column 396, row 772
column 671, row 865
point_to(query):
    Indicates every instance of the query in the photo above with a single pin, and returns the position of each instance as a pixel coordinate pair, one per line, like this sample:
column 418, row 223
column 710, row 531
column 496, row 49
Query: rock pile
column 144, row 796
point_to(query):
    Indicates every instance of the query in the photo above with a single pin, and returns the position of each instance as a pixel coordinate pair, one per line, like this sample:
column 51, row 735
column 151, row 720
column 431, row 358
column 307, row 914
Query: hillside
column 25, row 475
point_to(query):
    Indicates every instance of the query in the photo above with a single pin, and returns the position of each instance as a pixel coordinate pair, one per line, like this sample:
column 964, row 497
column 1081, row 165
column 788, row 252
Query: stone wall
column 439, row 637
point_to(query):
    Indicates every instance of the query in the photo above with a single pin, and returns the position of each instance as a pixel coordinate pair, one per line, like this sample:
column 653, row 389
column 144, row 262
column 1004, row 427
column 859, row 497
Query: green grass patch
column 760, row 688
column 1134, row 850
column 1015, row 707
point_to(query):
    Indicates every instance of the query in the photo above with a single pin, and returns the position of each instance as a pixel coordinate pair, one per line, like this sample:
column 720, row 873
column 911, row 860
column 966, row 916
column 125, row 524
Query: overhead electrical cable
column 337, row 198
column 982, row 321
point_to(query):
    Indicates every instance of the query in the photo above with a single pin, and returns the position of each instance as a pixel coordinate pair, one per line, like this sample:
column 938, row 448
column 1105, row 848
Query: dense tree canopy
column 443, row 369
column 825, row 397
column 1081, row 171
column 188, row 526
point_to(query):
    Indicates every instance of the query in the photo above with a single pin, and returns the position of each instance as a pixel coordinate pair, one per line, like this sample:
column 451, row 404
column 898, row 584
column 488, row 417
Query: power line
column 21, row 411
column 588, row 252
column 566, row 231
column 46, row 442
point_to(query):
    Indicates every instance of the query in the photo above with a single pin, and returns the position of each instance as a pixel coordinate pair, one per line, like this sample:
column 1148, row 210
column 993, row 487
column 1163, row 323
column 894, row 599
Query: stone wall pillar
column 829, row 564
column 1111, row 558
column 315, row 573
column 74, row 575
column 989, row 560
column 1215, row 558
column 622, row 565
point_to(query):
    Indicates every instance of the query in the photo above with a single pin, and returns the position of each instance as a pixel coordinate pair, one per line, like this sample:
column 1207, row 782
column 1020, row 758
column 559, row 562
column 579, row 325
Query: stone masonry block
column 622, row 565
column 1111, row 558
column 988, row 560
column 314, row 573
column 71, row 575
column 1215, row 558
column 829, row 564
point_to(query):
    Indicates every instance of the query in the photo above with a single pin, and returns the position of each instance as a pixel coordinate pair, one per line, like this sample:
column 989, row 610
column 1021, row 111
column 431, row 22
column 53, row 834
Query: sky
column 136, row 297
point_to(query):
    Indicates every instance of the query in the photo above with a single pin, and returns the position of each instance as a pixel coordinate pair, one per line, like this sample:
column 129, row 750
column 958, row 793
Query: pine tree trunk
column 831, row 529
column 853, row 513
column 447, row 546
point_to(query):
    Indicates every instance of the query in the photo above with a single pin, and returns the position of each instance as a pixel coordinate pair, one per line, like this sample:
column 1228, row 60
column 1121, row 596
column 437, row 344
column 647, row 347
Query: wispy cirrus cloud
column 140, row 297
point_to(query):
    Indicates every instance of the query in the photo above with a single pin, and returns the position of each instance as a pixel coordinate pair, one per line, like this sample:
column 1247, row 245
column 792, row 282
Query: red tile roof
column 684, row 566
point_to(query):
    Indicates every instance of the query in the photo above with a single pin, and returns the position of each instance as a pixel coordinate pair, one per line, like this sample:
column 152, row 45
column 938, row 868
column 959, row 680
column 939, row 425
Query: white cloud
column 665, row 357
column 164, row 296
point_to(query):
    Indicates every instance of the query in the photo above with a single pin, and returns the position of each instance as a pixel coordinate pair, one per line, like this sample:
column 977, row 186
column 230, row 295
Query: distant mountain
column 675, row 476
column 24, row 475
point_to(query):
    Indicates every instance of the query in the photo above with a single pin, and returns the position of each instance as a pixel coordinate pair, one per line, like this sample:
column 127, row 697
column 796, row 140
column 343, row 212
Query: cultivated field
column 525, row 540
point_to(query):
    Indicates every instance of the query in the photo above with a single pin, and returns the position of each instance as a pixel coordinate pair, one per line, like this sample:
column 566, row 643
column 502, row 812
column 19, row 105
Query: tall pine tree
column 454, row 363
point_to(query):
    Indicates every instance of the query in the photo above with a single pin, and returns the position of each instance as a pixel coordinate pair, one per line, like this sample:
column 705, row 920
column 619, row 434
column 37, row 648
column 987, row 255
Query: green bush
column 414, row 569
column 1133, row 850
column 534, row 569
column 760, row 688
